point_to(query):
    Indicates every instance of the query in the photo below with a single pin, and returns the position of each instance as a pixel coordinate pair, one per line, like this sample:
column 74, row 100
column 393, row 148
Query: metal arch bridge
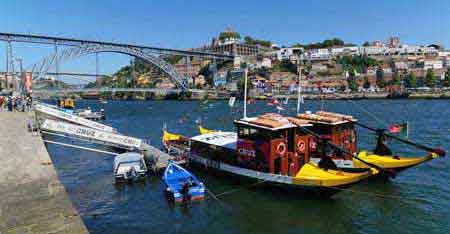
column 84, row 47
column 41, row 68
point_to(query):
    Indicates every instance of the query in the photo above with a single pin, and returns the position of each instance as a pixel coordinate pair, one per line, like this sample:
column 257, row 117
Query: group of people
column 15, row 103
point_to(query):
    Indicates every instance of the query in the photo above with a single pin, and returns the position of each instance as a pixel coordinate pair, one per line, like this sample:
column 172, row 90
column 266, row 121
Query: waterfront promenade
column 32, row 199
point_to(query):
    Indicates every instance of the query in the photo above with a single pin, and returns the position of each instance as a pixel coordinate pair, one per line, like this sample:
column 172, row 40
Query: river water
column 417, row 201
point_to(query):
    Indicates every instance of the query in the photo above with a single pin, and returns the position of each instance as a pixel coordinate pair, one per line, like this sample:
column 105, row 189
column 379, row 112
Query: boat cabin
column 274, row 143
column 268, row 143
column 337, row 128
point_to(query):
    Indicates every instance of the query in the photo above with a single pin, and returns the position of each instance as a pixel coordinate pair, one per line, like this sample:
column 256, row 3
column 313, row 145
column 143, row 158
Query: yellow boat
column 344, row 129
column 311, row 174
column 266, row 158
column 205, row 130
column 391, row 162
column 340, row 130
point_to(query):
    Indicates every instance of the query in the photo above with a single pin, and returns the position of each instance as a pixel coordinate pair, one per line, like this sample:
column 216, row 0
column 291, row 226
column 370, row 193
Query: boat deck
column 158, row 160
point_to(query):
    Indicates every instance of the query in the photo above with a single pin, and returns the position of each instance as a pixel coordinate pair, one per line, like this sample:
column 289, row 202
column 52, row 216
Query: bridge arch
column 43, row 67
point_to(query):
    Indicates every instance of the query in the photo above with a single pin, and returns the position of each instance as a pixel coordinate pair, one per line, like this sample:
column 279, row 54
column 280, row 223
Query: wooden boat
column 340, row 130
column 263, row 149
column 181, row 185
column 129, row 166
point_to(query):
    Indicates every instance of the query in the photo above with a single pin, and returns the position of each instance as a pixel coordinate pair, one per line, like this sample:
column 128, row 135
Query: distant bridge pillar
column 98, row 81
column 187, row 70
column 56, row 63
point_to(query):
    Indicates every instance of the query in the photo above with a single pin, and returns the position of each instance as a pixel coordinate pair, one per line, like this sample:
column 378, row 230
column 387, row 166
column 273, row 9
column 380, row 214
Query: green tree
column 241, row 85
column 380, row 78
column 446, row 82
column 396, row 80
column 351, row 81
column 352, row 85
column 366, row 43
column 430, row 78
column 412, row 80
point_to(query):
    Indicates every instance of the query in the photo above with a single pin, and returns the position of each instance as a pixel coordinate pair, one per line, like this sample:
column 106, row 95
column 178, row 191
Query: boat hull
column 281, row 184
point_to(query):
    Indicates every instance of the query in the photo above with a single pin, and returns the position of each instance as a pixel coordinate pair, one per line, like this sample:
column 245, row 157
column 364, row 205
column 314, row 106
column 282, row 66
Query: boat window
column 254, row 134
column 291, row 139
column 278, row 134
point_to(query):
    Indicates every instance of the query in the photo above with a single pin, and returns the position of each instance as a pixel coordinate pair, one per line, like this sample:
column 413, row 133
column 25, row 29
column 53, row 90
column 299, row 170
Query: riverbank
column 214, row 95
column 32, row 199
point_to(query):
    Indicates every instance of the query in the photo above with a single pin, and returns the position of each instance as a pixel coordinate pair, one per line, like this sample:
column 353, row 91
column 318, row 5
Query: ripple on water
column 415, row 202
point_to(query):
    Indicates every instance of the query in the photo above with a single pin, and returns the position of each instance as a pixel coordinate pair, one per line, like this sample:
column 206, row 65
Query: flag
column 272, row 102
column 399, row 128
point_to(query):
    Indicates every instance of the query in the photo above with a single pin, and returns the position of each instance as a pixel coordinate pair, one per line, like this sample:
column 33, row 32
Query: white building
column 319, row 53
column 432, row 64
column 265, row 62
column 373, row 50
column 286, row 53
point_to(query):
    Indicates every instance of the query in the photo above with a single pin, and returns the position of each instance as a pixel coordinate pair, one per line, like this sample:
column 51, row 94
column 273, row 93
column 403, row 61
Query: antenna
column 245, row 92
column 299, row 86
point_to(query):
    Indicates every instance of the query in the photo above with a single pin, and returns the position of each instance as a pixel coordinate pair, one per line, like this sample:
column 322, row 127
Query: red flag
column 272, row 102
column 395, row 128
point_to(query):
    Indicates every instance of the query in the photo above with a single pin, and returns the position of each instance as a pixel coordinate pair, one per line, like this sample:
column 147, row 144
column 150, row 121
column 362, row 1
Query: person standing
column 10, row 103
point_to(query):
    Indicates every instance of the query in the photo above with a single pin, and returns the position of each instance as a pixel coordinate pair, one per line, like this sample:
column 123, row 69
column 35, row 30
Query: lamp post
column 19, row 60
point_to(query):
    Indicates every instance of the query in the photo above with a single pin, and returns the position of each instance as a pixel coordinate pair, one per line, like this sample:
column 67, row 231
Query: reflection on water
column 415, row 202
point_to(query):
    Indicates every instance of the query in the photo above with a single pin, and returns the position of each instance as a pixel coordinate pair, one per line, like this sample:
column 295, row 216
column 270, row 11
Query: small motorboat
column 89, row 114
column 181, row 185
column 129, row 166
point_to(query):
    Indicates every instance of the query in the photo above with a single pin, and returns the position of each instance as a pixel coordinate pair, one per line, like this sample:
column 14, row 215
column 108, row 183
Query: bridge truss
column 78, row 48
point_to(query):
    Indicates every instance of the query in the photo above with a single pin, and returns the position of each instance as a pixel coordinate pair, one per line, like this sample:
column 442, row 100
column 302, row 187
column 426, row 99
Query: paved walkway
column 32, row 199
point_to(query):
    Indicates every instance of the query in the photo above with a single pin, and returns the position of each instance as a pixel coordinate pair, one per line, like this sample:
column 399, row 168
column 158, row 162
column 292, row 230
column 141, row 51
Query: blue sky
column 184, row 24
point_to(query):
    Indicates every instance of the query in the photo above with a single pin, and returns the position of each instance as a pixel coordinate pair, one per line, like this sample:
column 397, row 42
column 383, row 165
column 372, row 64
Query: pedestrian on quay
column 29, row 103
column 10, row 103
column 2, row 102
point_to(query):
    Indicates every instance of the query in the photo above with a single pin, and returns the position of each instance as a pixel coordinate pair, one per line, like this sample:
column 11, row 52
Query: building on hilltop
column 394, row 42
column 229, row 42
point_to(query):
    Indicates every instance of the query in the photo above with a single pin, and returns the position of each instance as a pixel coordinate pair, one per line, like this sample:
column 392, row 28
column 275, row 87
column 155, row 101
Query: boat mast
column 245, row 93
column 299, row 87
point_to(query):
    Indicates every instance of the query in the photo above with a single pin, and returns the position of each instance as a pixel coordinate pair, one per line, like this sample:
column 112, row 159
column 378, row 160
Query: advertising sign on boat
column 72, row 118
column 84, row 132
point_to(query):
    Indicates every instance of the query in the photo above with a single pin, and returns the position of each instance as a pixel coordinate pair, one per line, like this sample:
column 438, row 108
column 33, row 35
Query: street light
column 19, row 60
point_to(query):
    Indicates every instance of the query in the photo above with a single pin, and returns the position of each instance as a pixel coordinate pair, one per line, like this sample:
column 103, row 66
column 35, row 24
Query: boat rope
column 81, row 139
column 239, row 189
column 380, row 121
column 80, row 147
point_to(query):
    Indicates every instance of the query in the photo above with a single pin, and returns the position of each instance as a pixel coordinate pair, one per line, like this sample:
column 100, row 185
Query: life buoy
column 281, row 148
column 352, row 137
column 301, row 146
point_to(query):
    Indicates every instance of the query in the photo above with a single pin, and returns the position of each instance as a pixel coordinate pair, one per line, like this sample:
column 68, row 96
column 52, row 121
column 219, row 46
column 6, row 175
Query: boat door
column 277, row 166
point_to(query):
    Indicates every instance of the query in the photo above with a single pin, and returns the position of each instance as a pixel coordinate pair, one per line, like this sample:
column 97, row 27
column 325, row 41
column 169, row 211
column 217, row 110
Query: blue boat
column 181, row 185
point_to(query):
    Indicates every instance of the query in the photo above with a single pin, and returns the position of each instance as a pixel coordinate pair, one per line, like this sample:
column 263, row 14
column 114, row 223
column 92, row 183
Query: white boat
column 129, row 166
column 89, row 114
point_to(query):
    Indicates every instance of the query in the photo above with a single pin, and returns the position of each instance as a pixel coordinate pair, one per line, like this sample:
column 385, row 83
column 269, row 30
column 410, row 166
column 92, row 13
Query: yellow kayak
column 390, row 162
column 312, row 175
column 205, row 130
